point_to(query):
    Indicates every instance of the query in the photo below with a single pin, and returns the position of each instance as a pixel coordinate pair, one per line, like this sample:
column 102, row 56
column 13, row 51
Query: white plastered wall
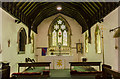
column 9, row 32
column 0, row 35
column 119, row 40
column 42, row 36
column 110, row 53
column 91, row 55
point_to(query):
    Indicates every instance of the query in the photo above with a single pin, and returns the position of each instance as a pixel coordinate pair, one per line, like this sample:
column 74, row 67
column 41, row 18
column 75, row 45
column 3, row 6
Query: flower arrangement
column 84, row 59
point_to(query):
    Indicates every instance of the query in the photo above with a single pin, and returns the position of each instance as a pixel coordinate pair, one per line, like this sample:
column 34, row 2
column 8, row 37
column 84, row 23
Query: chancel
column 59, row 39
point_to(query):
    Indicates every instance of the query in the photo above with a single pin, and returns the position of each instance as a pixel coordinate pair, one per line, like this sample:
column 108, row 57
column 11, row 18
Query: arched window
column 59, row 33
column 32, row 42
column 86, row 42
column 97, row 40
column 22, row 39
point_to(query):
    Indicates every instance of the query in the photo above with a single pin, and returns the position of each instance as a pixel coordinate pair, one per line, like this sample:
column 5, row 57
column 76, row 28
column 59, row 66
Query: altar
column 59, row 62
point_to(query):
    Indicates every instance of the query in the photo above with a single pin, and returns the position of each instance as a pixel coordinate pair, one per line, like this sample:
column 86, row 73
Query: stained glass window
column 59, row 21
column 62, row 27
column 86, row 42
column 65, row 38
column 56, row 27
column 32, row 42
column 54, row 38
column 59, row 33
column 59, row 36
column 97, row 40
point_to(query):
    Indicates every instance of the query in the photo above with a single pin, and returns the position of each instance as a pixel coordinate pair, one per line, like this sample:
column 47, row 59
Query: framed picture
column 79, row 47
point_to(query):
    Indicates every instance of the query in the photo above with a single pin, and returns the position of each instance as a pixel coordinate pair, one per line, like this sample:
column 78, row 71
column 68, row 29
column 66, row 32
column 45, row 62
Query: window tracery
column 59, row 35
column 97, row 40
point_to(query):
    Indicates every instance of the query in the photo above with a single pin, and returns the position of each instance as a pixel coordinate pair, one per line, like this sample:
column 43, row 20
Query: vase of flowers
column 84, row 59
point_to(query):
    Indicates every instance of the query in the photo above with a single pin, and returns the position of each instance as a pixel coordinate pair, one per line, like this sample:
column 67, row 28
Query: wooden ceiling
column 85, row 13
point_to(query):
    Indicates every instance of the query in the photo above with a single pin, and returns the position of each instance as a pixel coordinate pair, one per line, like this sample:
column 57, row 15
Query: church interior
column 71, row 40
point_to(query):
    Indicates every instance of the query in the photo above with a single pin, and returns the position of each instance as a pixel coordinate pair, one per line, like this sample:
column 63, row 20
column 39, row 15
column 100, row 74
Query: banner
column 44, row 51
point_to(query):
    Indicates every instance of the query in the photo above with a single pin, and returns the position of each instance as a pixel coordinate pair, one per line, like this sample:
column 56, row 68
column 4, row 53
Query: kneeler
column 28, row 75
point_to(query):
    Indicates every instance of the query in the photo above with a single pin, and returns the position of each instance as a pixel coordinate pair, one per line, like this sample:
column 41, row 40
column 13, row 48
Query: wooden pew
column 5, row 70
column 35, row 64
column 32, row 74
column 108, row 73
column 85, row 64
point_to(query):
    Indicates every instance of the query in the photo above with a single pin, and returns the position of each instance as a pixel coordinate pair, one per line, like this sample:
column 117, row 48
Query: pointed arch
column 59, row 31
column 22, row 39
column 97, row 40
column 66, row 23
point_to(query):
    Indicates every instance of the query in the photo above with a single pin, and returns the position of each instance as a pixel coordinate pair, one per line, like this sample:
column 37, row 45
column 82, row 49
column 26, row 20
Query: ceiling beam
column 38, row 9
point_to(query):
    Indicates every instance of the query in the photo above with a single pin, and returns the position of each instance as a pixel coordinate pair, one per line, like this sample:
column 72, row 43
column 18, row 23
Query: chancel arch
column 97, row 40
column 59, row 34
column 22, row 40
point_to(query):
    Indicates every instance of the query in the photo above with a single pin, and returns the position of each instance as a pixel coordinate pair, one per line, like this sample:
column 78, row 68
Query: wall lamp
column 101, row 20
column 17, row 21
column 114, row 29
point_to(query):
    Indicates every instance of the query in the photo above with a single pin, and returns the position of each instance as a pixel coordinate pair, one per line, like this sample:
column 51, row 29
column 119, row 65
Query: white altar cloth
column 59, row 62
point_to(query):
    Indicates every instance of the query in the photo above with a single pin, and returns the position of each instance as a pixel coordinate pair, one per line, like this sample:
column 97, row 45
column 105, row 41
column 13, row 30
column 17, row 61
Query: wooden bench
column 5, row 70
column 85, row 64
column 35, row 64
column 75, row 72
column 32, row 74
column 108, row 73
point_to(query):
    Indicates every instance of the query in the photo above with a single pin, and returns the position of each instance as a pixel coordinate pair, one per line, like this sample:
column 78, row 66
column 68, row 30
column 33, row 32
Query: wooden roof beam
column 23, row 6
column 88, row 7
column 29, row 8
column 82, row 11
column 81, row 8
column 26, row 7
column 37, row 9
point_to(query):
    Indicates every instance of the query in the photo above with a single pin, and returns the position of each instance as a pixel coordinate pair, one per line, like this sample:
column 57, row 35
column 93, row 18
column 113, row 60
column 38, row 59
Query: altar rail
column 85, row 64
column 35, row 64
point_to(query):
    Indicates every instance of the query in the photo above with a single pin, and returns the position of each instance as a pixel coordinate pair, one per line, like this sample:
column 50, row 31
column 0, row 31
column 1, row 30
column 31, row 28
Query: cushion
column 30, row 73
column 73, row 72
column 46, row 71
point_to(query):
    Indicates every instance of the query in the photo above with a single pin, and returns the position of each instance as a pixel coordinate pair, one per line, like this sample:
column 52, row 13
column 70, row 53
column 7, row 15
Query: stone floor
column 60, row 74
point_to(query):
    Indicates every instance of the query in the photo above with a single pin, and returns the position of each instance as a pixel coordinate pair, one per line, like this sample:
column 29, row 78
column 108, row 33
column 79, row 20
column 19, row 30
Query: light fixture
column 114, row 29
column 17, row 21
column 59, row 8
column 101, row 20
